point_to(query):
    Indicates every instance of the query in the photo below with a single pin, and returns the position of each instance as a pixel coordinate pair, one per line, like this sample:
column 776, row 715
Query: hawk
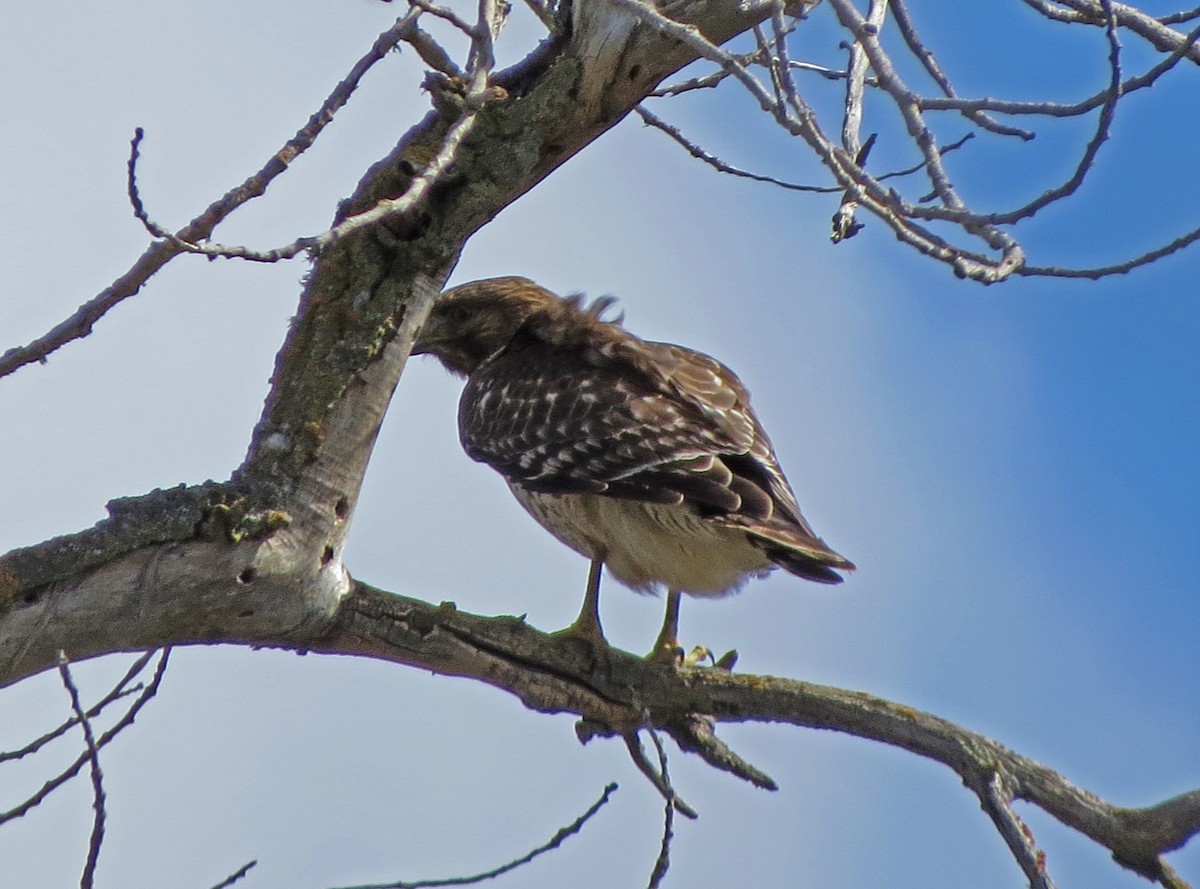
column 644, row 457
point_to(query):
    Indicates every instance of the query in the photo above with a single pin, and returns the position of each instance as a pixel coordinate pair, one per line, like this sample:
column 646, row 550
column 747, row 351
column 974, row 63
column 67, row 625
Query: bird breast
column 649, row 545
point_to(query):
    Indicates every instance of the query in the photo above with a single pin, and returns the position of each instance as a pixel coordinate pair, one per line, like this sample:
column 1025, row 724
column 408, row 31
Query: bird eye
column 460, row 314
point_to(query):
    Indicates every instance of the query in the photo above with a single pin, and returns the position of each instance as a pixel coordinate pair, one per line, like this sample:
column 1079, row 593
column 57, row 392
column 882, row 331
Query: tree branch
column 96, row 841
column 258, row 560
column 160, row 253
column 563, row 833
column 551, row 675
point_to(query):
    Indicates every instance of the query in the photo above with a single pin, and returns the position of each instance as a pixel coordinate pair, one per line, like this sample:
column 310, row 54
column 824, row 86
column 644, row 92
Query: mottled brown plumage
column 643, row 456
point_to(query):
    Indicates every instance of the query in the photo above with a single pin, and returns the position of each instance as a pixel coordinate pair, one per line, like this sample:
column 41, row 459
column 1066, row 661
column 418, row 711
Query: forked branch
column 980, row 243
column 625, row 694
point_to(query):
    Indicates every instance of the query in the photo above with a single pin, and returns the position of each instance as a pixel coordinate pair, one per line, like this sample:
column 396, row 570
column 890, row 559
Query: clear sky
column 1013, row 469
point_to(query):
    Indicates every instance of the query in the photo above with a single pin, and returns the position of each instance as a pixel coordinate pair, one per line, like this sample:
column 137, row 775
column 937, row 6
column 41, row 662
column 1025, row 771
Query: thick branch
column 268, row 572
column 553, row 675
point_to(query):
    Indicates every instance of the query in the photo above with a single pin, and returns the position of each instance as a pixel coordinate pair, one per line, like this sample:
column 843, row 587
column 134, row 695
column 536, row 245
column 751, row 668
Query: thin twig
column 700, row 153
column 117, row 692
column 942, row 150
column 553, row 843
column 236, row 875
column 996, row 799
column 637, row 753
column 830, row 73
column 1061, row 110
column 157, row 255
column 771, row 63
column 1099, row 136
column 431, row 52
column 447, row 14
column 802, row 122
column 88, row 878
column 706, row 81
column 696, row 151
column 663, row 862
column 72, row 770
column 1177, row 18
column 856, row 80
column 1120, row 268
column 915, row 45
column 478, row 92
column 845, row 224
column 781, row 27
column 697, row 734
column 1093, row 12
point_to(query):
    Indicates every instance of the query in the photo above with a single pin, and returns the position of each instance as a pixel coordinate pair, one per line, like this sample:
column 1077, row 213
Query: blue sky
column 1013, row 469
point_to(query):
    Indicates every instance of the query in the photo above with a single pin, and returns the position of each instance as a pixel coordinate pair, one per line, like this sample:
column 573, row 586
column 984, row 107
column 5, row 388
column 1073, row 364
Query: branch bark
column 257, row 560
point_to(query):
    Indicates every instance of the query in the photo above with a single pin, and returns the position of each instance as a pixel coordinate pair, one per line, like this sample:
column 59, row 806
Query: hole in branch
column 247, row 575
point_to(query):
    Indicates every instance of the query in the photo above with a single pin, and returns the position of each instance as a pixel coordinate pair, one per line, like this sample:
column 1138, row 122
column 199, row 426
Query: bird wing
column 575, row 405
column 562, row 420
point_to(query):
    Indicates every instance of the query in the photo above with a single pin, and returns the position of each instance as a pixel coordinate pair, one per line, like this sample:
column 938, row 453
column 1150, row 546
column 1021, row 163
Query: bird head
column 470, row 323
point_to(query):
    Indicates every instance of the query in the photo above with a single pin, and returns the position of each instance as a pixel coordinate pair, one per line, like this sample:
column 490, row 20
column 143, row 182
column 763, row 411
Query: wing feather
column 574, row 404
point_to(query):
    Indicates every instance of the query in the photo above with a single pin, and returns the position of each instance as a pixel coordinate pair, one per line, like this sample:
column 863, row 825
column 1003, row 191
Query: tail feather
column 799, row 554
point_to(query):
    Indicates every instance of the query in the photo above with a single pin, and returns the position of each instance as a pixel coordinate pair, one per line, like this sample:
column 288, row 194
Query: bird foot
column 667, row 652
column 587, row 635
column 726, row 661
column 672, row 654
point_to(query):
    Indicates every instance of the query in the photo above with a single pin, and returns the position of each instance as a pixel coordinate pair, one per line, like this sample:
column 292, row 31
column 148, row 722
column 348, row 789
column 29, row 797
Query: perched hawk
column 645, row 457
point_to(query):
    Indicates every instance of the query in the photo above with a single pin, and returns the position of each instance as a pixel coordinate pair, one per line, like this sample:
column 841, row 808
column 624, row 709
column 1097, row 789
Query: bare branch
column 469, row 100
column 236, row 876
column 1099, row 137
column 159, row 254
column 553, row 843
column 1097, row 12
column 387, row 208
column 1119, row 268
column 697, row 734
column 633, row 743
column 432, row 53
column 856, row 75
column 905, row 25
column 72, row 770
column 804, row 124
column 88, row 878
column 548, row 675
column 697, row 151
column 1056, row 109
column 710, row 80
column 1179, row 17
column 905, row 216
column 996, row 800
column 118, row 691
column 663, row 862
column 829, row 73
column 653, row 120
column 449, row 15
column 844, row 224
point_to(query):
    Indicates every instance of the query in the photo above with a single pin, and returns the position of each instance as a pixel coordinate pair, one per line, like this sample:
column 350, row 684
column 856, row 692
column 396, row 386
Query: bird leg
column 666, row 647
column 587, row 625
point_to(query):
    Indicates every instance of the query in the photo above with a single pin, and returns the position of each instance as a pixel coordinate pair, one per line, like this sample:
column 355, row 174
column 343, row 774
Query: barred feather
column 646, row 455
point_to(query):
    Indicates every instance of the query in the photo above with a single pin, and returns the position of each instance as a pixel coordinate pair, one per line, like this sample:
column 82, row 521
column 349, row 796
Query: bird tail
column 800, row 554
